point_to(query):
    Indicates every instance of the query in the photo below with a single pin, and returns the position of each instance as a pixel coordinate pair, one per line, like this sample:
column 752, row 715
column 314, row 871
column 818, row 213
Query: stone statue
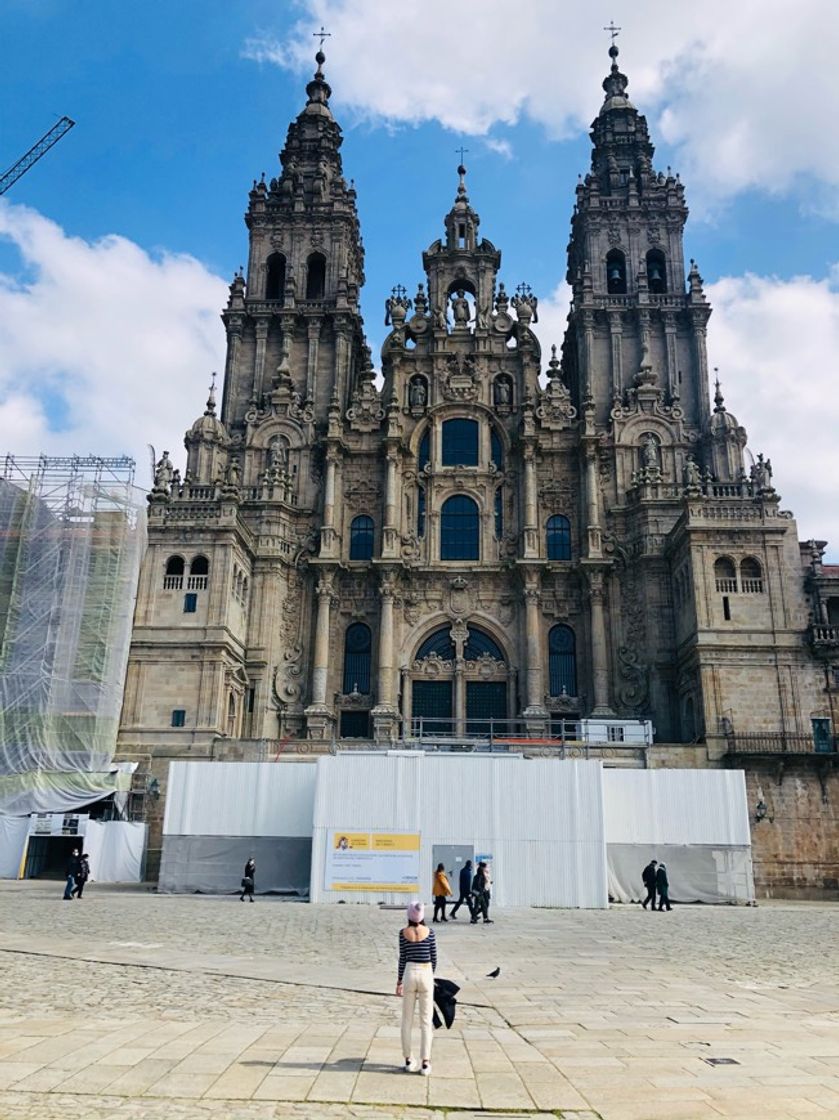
column 234, row 474
column 650, row 452
column 482, row 317
column 418, row 394
column 460, row 309
column 439, row 318
column 692, row 475
column 163, row 473
column 501, row 392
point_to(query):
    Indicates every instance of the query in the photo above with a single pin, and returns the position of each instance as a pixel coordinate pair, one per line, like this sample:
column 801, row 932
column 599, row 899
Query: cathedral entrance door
column 432, row 702
column 485, row 701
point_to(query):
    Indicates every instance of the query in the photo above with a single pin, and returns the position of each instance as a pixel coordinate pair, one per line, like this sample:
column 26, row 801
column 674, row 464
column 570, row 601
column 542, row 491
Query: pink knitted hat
column 416, row 911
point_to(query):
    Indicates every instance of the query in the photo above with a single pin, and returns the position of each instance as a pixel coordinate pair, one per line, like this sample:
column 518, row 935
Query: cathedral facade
column 490, row 533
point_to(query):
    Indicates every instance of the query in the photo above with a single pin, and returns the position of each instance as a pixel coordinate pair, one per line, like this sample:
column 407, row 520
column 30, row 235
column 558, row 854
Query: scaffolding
column 72, row 534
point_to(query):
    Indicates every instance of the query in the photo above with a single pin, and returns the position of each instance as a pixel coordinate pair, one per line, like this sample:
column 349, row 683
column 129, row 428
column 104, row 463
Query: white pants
column 418, row 985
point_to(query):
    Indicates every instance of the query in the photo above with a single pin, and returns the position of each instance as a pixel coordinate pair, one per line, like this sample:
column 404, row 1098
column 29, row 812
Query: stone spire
column 462, row 221
column 622, row 147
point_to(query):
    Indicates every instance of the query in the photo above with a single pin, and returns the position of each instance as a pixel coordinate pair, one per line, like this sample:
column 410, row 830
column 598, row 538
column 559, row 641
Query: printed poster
column 372, row 861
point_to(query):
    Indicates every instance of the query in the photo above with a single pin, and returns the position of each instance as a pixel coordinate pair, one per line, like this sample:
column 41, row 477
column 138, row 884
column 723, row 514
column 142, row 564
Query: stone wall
column 795, row 848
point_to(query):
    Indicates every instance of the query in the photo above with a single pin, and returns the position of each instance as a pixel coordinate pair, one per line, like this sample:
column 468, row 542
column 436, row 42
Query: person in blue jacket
column 464, row 887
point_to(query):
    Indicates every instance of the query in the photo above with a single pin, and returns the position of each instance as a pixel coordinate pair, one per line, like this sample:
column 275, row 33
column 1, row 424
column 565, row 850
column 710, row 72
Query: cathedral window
column 354, row 725
column 178, row 717
column 751, row 576
column 361, row 538
column 316, row 276
column 725, row 575
column 440, row 643
column 275, row 277
column 479, row 643
column 616, row 273
column 496, row 449
column 358, row 647
column 460, row 525
column 656, row 272
column 199, row 571
column 499, row 514
column 558, row 537
column 460, row 443
column 833, row 612
column 424, row 456
column 173, row 580
column 421, row 511
column 562, row 661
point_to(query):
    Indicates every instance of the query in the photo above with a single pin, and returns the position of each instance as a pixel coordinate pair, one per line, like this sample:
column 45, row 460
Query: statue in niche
column 460, row 309
column 649, row 452
column 439, row 318
column 482, row 317
column 278, row 453
column 692, row 475
column 234, row 475
column 502, row 393
column 418, row 394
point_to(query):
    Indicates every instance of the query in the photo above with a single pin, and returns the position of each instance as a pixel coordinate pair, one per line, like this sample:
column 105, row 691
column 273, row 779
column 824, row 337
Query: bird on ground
column 492, row 975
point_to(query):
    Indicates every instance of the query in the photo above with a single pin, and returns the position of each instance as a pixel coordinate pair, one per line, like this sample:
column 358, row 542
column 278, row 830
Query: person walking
column 648, row 877
column 415, row 984
column 442, row 890
column 662, row 885
column 83, row 875
column 464, row 886
column 248, row 880
column 73, row 867
column 481, row 892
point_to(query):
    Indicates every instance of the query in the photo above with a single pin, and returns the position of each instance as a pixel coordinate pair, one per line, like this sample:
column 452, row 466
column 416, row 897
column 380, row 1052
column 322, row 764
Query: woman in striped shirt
column 415, row 983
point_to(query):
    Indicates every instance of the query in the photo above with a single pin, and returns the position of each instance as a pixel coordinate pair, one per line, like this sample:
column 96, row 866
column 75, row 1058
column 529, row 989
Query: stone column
column 328, row 536
column 385, row 714
column 700, row 351
column 390, row 530
column 531, row 524
column 459, row 698
column 320, row 667
column 670, row 355
column 312, row 359
column 615, row 335
column 235, row 328
column 592, row 503
column 259, row 358
column 599, row 648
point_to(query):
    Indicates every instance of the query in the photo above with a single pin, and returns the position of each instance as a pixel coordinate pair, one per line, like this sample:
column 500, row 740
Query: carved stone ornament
column 433, row 666
column 362, row 492
column 634, row 689
column 365, row 414
column 460, row 597
column 486, row 666
column 461, row 381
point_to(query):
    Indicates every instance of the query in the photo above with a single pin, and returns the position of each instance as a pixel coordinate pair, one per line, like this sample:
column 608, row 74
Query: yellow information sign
column 372, row 861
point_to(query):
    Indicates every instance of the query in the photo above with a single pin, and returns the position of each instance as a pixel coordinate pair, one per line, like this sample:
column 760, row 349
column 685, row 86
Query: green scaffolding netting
column 72, row 533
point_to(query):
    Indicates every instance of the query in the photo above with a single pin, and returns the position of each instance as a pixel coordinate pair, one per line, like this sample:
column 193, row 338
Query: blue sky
column 176, row 116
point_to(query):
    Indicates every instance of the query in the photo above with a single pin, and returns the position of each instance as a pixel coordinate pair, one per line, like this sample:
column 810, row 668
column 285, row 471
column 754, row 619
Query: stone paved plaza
column 131, row 1004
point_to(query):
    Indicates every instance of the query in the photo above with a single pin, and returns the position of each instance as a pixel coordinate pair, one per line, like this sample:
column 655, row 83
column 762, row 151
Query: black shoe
column 488, row 921
column 473, row 922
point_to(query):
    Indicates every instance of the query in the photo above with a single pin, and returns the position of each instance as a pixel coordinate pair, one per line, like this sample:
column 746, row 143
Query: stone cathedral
column 491, row 534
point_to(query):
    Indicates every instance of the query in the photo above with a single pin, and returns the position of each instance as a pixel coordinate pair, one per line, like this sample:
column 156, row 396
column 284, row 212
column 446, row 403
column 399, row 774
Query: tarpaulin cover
column 13, row 833
column 71, row 540
column 115, row 849
column 215, row 864
column 695, row 872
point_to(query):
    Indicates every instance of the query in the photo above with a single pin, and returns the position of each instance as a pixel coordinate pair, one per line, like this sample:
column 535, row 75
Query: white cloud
column 106, row 343
column 745, row 91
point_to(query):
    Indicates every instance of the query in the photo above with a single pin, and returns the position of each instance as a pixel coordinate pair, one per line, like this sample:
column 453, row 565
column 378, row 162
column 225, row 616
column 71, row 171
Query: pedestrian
column 415, row 984
column 73, row 867
column 248, row 880
column 648, row 877
column 83, row 875
column 662, row 885
column 464, row 886
column 481, row 892
column 442, row 890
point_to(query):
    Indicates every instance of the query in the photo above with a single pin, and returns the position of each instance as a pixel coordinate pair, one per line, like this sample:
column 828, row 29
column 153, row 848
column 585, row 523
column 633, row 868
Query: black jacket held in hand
column 444, row 1001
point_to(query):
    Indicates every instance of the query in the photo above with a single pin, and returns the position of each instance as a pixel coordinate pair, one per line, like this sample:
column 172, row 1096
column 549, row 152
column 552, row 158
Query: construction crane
column 35, row 153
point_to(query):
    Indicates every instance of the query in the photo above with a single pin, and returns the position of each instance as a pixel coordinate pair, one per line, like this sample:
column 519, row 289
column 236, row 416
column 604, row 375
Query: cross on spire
column 322, row 34
column 462, row 152
column 524, row 290
column 400, row 291
column 613, row 31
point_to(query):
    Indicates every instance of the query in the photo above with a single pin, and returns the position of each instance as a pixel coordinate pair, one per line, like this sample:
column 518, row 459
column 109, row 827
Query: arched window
column 615, row 273
column 315, row 276
column 725, row 574
column 421, row 511
column 460, row 443
column 751, row 575
column 478, row 642
column 440, row 642
column 361, row 538
column 231, row 715
column 460, row 525
column 173, row 579
column 275, row 277
column 499, row 514
column 424, row 451
column 200, row 566
column 562, row 661
column 496, row 449
column 558, row 536
column 656, row 272
column 357, row 647
column 833, row 620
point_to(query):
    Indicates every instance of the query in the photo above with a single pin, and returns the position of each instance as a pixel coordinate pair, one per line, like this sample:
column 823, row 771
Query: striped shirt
column 416, row 952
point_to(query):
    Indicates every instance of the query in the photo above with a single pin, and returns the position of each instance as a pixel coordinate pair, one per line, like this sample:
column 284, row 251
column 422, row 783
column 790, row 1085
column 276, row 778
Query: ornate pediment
column 460, row 382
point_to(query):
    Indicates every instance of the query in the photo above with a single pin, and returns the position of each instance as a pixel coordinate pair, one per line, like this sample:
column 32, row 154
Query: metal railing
column 777, row 742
